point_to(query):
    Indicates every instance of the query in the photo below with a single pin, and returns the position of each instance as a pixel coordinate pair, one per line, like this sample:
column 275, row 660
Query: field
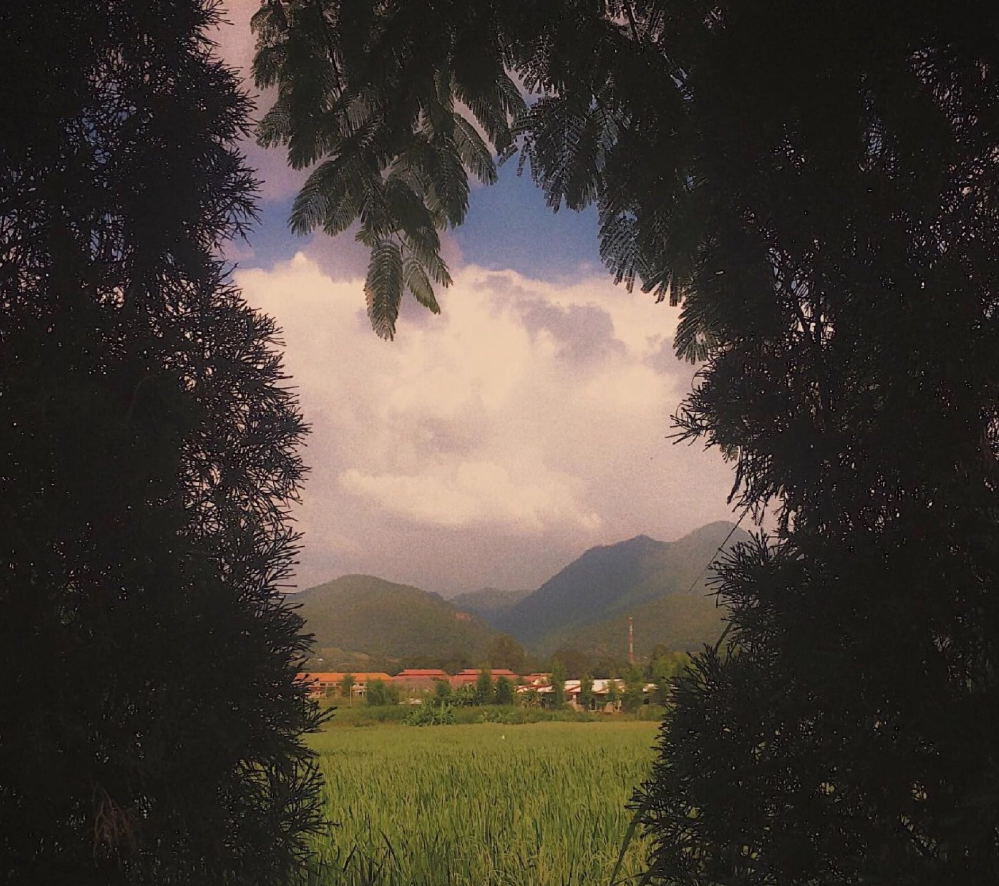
column 541, row 804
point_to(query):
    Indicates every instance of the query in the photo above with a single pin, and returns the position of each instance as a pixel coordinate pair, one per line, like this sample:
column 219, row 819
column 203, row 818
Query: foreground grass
column 539, row 804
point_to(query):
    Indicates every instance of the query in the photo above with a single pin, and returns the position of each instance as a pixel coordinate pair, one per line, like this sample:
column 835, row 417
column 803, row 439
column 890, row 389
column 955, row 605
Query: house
column 324, row 682
column 470, row 675
column 602, row 693
column 419, row 679
column 535, row 680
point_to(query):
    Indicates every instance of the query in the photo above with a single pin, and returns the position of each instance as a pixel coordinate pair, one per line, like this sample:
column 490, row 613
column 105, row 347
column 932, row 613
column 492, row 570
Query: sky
column 492, row 444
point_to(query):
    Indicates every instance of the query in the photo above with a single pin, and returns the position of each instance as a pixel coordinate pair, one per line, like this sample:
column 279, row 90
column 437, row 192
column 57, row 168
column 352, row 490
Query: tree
column 814, row 186
column 379, row 693
column 558, row 684
column 465, row 695
column 442, row 690
column 634, row 689
column 586, row 691
column 398, row 165
column 504, row 691
column 346, row 687
column 484, row 691
column 151, row 718
column 665, row 667
column 613, row 693
column 374, row 693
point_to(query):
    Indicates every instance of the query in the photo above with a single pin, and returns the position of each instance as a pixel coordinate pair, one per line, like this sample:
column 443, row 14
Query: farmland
column 541, row 804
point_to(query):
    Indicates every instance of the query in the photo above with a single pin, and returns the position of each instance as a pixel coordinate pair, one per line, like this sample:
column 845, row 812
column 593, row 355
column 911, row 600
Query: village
column 413, row 685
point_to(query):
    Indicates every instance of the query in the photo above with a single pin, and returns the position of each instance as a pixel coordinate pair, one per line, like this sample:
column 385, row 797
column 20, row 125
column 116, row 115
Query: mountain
column 614, row 581
column 360, row 618
column 490, row 604
column 679, row 622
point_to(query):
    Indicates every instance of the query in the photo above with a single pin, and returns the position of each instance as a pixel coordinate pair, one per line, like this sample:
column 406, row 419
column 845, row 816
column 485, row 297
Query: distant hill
column 679, row 622
column 490, row 604
column 360, row 618
column 608, row 583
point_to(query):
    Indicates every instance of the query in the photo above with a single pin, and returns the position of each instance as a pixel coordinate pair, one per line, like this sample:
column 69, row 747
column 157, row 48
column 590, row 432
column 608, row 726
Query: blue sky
column 494, row 443
column 508, row 225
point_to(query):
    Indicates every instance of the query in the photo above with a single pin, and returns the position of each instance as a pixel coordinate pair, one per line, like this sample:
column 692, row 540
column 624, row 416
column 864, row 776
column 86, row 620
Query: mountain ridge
column 365, row 617
column 662, row 585
column 607, row 580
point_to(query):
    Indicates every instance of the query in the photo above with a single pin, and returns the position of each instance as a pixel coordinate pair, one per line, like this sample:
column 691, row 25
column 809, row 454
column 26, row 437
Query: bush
column 381, row 694
column 504, row 691
column 430, row 713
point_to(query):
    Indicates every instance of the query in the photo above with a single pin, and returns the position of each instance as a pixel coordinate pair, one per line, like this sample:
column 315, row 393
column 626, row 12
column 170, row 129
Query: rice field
column 541, row 804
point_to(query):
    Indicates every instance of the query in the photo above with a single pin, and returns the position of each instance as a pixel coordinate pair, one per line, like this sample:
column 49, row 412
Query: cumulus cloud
column 492, row 443
column 468, row 494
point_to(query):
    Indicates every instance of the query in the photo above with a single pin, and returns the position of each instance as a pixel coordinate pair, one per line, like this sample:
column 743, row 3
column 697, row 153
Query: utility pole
column 631, row 641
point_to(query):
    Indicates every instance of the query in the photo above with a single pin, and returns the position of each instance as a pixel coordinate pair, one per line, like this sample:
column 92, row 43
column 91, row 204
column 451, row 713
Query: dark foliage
column 848, row 739
column 149, row 730
column 505, row 691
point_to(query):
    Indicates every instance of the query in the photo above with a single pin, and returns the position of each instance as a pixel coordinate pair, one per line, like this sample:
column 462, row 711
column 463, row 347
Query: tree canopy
column 814, row 185
column 151, row 719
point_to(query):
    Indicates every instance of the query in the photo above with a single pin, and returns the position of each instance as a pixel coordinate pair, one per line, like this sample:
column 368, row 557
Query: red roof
column 422, row 672
column 337, row 676
column 496, row 672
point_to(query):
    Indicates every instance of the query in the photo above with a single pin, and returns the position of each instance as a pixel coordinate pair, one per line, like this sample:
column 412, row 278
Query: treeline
column 507, row 654
column 630, row 686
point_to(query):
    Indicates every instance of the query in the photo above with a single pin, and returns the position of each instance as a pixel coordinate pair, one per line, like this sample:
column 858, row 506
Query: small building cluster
column 606, row 693
column 409, row 680
column 322, row 682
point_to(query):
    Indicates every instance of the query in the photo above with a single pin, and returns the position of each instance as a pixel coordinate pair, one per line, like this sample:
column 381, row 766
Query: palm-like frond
column 473, row 151
column 419, row 285
column 383, row 287
column 332, row 196
column 378, row 118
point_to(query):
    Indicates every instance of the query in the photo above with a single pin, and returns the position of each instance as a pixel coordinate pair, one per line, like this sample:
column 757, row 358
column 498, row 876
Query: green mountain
column 679, row 622
column 360, row 619
column 608, row 583
column 490, row 604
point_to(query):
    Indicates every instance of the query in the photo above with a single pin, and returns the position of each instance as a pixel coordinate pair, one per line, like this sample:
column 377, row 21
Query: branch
column 631, row 21
column 330, row 46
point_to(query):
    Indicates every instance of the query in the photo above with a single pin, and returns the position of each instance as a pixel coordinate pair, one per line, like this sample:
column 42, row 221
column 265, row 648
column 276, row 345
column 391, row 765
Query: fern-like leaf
column 383, row 287
column 474, row 152
column 419, row 284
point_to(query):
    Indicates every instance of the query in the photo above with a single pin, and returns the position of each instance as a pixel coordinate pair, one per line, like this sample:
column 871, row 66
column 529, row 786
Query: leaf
column 332, row 196
column 383, row 287
column 431, row 261
column 419, row 284
column 408, row 212
column 474, row 152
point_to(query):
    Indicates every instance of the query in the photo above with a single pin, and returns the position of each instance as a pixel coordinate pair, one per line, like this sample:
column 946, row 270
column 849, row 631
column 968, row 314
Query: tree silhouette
column 505, row 693
column 484, row 690
column 150, row 723
column 558, row 679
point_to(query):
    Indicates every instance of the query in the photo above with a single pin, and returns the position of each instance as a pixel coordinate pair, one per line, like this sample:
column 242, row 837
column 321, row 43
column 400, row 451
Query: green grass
column 539, row 804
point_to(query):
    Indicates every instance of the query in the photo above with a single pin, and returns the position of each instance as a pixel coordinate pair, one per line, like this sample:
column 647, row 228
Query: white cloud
column 474, row 493
column 489, row 444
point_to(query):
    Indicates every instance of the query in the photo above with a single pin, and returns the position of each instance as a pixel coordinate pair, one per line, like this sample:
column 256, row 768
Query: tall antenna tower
column 631, row 641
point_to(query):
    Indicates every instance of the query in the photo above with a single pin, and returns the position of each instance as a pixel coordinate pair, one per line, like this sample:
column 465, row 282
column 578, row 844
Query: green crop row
column 486, row 805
